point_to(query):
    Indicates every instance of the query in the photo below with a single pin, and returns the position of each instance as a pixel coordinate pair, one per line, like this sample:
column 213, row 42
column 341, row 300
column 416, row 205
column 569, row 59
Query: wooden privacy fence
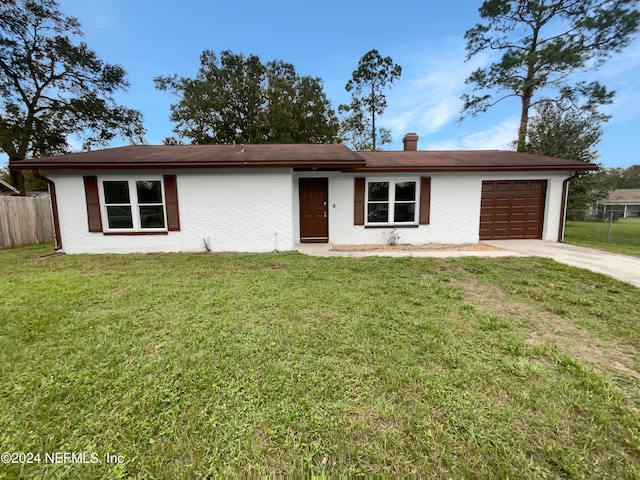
column 25, row 220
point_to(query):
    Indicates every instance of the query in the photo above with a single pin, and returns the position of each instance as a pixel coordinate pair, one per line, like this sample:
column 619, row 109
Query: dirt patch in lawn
column 598, row 354
column 405, row 247
column 552, row 328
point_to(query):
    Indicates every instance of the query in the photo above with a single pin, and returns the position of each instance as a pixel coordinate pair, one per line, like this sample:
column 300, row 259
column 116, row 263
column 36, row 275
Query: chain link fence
column 618, row 224
column 604, row 213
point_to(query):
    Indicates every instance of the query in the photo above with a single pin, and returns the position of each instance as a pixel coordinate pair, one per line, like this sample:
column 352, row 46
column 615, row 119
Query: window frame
column 391, row 201
column 134, row 204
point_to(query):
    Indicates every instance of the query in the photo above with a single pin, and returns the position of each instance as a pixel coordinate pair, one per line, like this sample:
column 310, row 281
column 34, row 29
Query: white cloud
column 427, row 101
column 497, row 137
column 444, row 145
column 625, row 107
column 622, row 66
column 439, row 115
column 621, row 74
column 427, row 98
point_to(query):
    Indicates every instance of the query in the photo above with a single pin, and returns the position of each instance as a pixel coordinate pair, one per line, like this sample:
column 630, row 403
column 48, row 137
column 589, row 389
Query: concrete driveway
column 622, row 267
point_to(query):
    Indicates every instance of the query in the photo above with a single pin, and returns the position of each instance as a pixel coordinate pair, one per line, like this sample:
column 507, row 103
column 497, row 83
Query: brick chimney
column 410, row 141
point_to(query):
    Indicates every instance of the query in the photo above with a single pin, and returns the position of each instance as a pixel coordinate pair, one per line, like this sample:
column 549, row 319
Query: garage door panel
column 524, row 210
column 520, row 187
column 512, row 209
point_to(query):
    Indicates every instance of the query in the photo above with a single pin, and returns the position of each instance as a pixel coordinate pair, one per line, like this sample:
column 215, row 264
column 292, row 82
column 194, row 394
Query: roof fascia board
column 346, row 168
column 161, row 165
column 9, row 187
column 471, row 169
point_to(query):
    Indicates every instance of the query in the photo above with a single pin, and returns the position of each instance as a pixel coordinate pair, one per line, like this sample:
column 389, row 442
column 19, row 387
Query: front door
column 314, row 211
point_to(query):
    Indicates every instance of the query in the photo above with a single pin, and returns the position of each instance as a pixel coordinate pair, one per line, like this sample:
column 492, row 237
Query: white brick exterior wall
column 455, row 207
column 257, row 210
column 249, row 211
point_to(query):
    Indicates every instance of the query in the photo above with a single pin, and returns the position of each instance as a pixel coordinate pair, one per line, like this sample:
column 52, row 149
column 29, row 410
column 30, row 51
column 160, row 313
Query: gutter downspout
column 563, row 208
column 54, row 209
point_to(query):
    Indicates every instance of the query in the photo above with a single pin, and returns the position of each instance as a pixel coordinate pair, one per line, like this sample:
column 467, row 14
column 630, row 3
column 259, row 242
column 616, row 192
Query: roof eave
column 189, row 165
column 467, row 168
column 8, row 187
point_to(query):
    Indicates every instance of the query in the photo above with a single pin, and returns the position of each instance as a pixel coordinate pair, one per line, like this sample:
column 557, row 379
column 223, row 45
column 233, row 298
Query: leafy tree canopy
column 31, row 183
column 234, row 98
column 53, row 86
column 564, row 131
column 544, row 42
column 373, row 75
column 620, row 178
column 356, row 128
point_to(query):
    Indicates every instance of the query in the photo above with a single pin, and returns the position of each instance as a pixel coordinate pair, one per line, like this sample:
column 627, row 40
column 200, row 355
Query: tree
column 234, row 98
column 565, row 131
column 355, row 129
column 368, row 81
column 621, row 178
column 544, row 42
column 31, row 183
column 53, row 86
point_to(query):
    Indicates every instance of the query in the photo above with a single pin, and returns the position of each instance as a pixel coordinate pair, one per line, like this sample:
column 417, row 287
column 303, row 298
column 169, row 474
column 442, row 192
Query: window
column 136, row 205
column 150, row 204
column 391, row 202
column 113, row 205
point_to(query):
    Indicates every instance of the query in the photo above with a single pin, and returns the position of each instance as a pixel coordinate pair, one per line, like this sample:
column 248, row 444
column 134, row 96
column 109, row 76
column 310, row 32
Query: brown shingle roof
column 622, row 196
column 203, row 156
column 467, row 160
column 6, row 187
column 332, row 156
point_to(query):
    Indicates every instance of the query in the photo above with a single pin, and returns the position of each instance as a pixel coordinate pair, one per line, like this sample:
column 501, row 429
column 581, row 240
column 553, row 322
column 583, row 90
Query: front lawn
column 625, row 235
column 181, row 366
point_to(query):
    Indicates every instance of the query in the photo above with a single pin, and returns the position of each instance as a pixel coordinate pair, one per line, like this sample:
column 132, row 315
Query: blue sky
column 326, row 39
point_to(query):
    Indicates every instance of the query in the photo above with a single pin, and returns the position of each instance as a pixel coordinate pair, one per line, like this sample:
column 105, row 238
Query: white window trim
column 133, row 202
column 392, row 183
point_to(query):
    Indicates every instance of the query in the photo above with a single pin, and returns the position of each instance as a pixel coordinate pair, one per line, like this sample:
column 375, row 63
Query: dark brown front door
column 512, row 209
column 314, row 211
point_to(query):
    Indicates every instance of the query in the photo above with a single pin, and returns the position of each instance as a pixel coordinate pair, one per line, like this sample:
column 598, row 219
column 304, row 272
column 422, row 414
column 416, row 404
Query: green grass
column 625, row 235
column 198, row 366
